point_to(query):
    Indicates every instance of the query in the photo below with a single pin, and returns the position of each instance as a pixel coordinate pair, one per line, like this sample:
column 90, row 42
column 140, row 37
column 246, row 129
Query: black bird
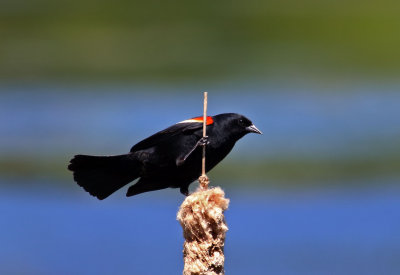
column 169, row 158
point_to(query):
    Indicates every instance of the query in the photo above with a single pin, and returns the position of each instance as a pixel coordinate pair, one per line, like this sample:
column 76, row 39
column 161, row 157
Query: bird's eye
column 241, row 122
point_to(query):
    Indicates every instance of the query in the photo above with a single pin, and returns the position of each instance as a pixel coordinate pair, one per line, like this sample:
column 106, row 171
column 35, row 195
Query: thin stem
column 204, row 134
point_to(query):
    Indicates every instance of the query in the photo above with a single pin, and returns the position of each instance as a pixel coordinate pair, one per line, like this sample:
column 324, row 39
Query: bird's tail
column 103, row 175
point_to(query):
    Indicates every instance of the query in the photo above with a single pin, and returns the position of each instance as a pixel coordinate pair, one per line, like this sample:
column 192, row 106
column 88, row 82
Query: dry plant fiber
column 202, row 218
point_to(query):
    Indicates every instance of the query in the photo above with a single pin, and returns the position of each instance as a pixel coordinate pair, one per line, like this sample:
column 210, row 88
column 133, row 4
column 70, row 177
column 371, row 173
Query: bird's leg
column 202, row 142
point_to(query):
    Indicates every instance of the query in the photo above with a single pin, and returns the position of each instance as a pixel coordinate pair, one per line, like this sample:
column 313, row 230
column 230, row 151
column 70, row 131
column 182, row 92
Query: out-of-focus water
column 47, row 230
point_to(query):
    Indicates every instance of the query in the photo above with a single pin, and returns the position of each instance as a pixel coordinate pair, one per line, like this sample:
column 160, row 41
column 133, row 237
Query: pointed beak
column 253, row 129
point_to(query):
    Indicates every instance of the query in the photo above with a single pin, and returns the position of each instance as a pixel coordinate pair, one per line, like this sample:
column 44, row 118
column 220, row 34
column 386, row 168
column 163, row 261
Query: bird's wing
column 165, row 135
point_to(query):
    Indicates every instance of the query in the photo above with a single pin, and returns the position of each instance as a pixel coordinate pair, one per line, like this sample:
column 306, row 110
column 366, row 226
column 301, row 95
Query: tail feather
column 103, row 175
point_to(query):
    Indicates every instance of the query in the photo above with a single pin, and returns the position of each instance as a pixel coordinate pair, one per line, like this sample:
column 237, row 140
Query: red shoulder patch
column 199, row 119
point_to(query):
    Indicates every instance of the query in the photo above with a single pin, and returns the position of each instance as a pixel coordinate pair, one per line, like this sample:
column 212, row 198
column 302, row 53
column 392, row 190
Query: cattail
column 201, row 216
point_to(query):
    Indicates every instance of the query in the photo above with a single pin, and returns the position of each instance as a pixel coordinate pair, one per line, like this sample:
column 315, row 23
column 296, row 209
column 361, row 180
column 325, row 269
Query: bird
column 169, row 158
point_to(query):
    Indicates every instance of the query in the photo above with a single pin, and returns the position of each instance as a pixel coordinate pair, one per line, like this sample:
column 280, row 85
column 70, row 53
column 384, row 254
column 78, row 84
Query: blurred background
column 318, row 193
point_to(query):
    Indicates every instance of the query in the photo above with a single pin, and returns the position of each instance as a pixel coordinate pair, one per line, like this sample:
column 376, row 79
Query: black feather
column 103, row 175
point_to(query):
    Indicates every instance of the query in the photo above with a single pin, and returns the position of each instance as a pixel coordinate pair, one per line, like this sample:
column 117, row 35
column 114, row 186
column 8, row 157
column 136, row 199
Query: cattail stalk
column 201, row 216
column 204, row 181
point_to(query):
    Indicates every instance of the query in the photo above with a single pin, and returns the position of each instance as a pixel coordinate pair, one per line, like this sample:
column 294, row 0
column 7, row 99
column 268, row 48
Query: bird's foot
column 203, row 141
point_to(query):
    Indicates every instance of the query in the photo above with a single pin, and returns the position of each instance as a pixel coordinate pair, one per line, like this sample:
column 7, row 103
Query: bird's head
column 236, row 125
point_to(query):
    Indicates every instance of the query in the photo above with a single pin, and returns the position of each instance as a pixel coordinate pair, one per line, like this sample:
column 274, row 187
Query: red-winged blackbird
column 169, row 158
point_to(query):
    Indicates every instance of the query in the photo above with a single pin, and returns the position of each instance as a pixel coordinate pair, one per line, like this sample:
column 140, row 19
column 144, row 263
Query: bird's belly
column 162, row 166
